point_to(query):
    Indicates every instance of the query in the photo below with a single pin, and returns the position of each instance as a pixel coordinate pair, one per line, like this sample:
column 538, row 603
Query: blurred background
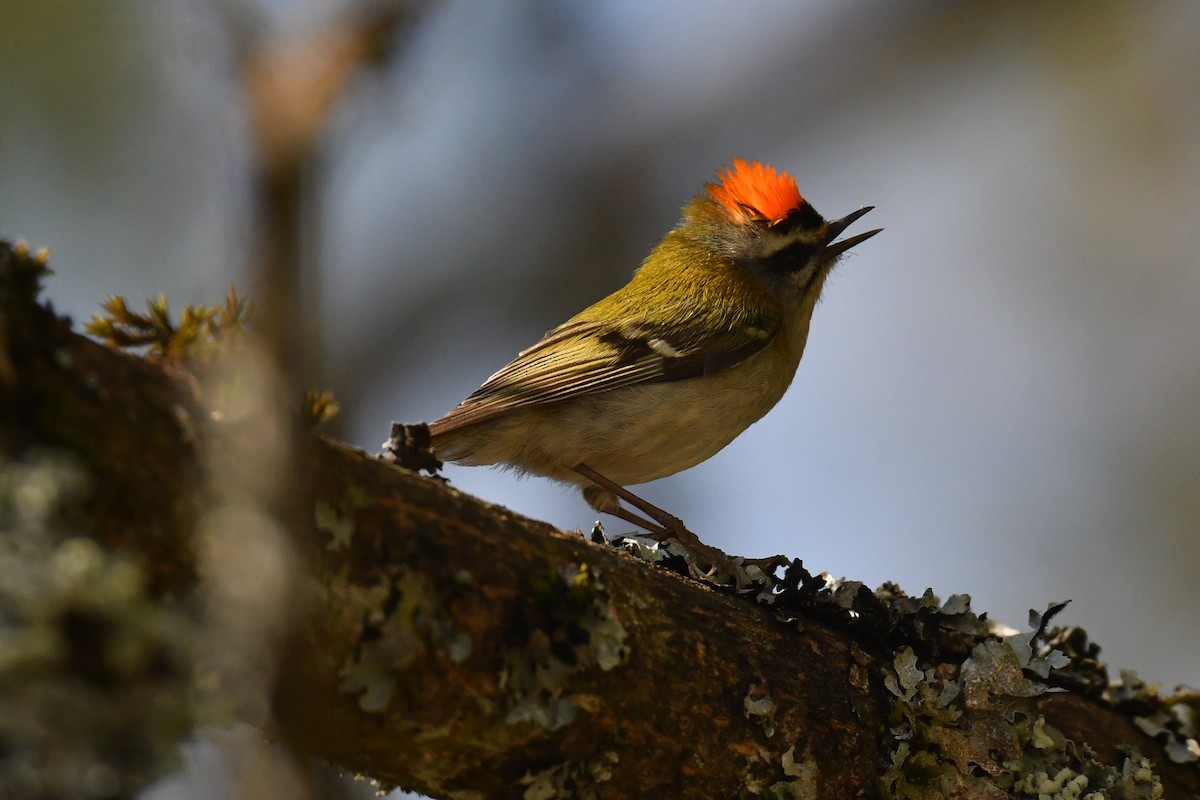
column 1001, row 393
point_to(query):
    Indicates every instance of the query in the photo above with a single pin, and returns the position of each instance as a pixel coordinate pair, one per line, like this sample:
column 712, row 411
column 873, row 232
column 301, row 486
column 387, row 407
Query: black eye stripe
column 792, row 258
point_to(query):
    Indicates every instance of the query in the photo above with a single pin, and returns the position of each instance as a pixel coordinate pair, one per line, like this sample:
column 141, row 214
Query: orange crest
column 756, row 191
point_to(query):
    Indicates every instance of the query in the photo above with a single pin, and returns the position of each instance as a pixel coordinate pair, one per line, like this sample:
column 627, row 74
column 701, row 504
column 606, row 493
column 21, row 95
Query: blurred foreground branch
column 436, row 642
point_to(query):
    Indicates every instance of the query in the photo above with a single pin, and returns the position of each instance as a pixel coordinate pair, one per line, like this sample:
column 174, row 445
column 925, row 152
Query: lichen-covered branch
column 436, row 642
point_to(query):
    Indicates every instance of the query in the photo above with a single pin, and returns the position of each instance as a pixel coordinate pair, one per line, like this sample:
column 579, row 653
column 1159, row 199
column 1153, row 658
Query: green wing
column 585, row 357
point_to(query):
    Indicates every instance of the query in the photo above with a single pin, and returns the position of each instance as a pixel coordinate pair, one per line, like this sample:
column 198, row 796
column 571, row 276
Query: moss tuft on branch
column 200, row 331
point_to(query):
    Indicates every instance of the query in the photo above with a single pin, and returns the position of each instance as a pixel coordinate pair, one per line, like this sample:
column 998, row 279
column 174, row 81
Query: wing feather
column 586, row 357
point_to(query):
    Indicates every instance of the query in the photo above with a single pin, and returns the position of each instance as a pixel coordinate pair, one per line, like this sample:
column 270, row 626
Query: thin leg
column 667, row 521
column 641, row 522
column 671, row 526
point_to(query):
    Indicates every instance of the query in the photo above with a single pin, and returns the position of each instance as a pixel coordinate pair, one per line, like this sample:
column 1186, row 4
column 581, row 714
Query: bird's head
column 756, row 217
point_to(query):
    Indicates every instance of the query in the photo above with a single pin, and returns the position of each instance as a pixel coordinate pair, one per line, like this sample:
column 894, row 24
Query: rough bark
column 447, row 645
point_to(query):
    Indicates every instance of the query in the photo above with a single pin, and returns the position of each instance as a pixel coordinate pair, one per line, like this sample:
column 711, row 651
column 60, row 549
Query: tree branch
column 437, row 642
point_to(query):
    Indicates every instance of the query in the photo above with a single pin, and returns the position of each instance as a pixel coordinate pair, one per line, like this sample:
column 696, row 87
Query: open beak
column 835, row 227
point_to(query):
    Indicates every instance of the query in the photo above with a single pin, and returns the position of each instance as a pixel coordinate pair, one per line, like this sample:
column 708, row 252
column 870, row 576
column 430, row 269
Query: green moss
column 318, row 407
column 199, row 331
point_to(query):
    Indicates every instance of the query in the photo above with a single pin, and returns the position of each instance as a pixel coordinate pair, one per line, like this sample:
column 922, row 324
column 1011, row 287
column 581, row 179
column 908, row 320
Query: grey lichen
column 1173, row 720
column 742, row 576
column 904, row 681
column 570, row 779
column 408, row 620
column 758, row 705
column 337, row 518
column 803, row 774
column 790, row 790
column 976, row 731
column 94, row 673
column 571, row 628
column 330, row 520
column 1031, row 656
column 1135, row 780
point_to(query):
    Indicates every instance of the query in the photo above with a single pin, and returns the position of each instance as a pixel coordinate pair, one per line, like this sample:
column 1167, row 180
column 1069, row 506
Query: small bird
column 667, row 370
